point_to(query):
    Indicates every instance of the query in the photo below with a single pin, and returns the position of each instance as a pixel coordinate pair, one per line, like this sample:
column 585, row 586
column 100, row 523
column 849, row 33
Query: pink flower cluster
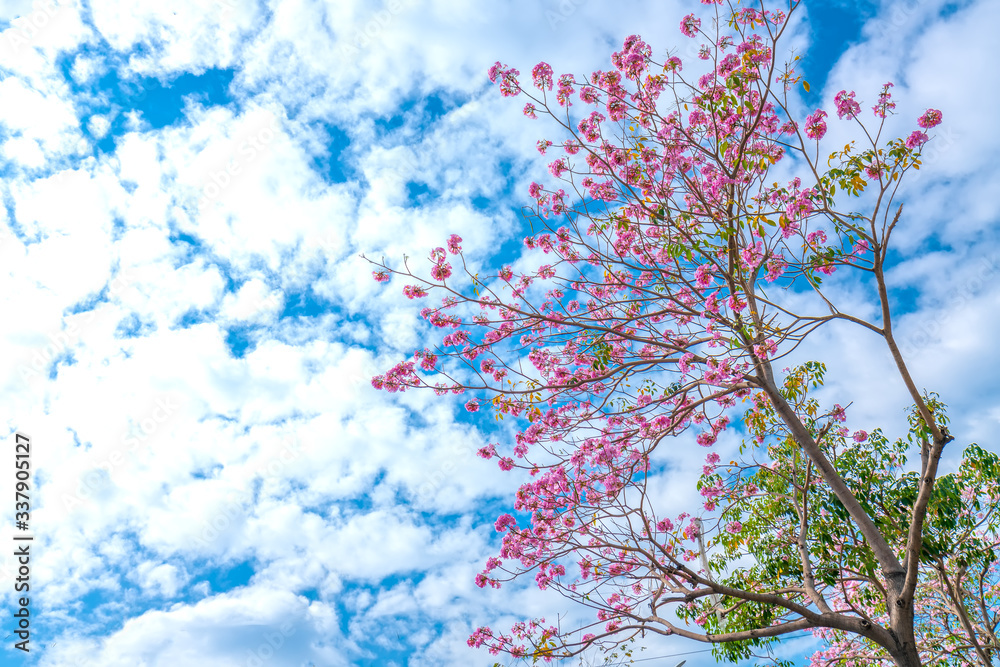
column 397, row 378
column 690, row 25
column 753, row 255
column 846, row 106
column 931, row 118
column 565, row 90
column 799, row 207
column 541, row 76
column 590, row 127
column 427, row 360
column 775, row 268
column 703, row 275
column 633, row 57
column 815, row 125
column 885, row 103
column 441, row 269
column 509, row 86
column 916, row 140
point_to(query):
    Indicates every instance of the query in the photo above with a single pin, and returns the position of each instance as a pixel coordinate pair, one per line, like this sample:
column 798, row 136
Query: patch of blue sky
column 12, row 219
column 418, row 194
column 307, row 304
column 190, row 244
column 160, row 102
column 330, row 161
column 222, row 576
column 240, row 340
column 420, row 112
column 132, row 326
column 208, row 472
column 833, row 26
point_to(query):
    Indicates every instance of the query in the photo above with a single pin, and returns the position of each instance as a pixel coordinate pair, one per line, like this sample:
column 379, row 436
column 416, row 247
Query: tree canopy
column 681, row 274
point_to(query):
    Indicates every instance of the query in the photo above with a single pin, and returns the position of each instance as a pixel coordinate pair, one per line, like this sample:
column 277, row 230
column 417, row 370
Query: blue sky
column 190, row 333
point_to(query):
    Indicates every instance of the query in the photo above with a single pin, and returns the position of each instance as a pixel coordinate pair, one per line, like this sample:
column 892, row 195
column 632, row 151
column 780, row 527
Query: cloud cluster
column 190, row 331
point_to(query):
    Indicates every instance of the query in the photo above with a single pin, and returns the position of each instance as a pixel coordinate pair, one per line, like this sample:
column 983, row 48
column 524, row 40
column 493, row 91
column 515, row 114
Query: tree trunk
column 901, row 628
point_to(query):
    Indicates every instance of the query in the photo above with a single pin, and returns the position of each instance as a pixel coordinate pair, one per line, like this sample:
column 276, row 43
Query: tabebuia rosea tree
column 681, row 273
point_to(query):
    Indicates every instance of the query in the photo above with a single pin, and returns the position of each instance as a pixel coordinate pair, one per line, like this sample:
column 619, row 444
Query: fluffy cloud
column 191, row 331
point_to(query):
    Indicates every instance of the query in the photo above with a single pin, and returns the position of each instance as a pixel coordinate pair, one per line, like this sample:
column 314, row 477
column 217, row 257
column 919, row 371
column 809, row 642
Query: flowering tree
column 681, row 274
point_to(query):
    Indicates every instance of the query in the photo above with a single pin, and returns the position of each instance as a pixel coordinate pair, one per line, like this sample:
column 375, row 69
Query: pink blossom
column 766, row 350
column 589, row 95
column 479, row 637
column 729, row 64
column 529, row 110
column 380, row 276
column 703, row 275
column 541, row 76
column 565, row 90
column 441, row 271
column 815, row 125
column 504, row 521
column 931, row 118
column 690, row 25
column 801, row 206
column 590, row 127
column 453, row 242
column 817, row 237
column 427, row 360
column 916, row 140
column 414, row 292
column 860, row 436
column 885, row 103
column 734, row 527
column 846, row 106
column 472, row 406
column 685, row 363
column 753, row 255
column 690, row 531
column 509, row 86
column 775, row 268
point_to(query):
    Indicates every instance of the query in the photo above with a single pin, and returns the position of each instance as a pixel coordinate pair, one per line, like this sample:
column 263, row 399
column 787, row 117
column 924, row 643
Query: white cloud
column 166, row 457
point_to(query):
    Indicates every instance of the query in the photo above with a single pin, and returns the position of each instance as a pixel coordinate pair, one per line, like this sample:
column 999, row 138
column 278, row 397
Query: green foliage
column 773, row 502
